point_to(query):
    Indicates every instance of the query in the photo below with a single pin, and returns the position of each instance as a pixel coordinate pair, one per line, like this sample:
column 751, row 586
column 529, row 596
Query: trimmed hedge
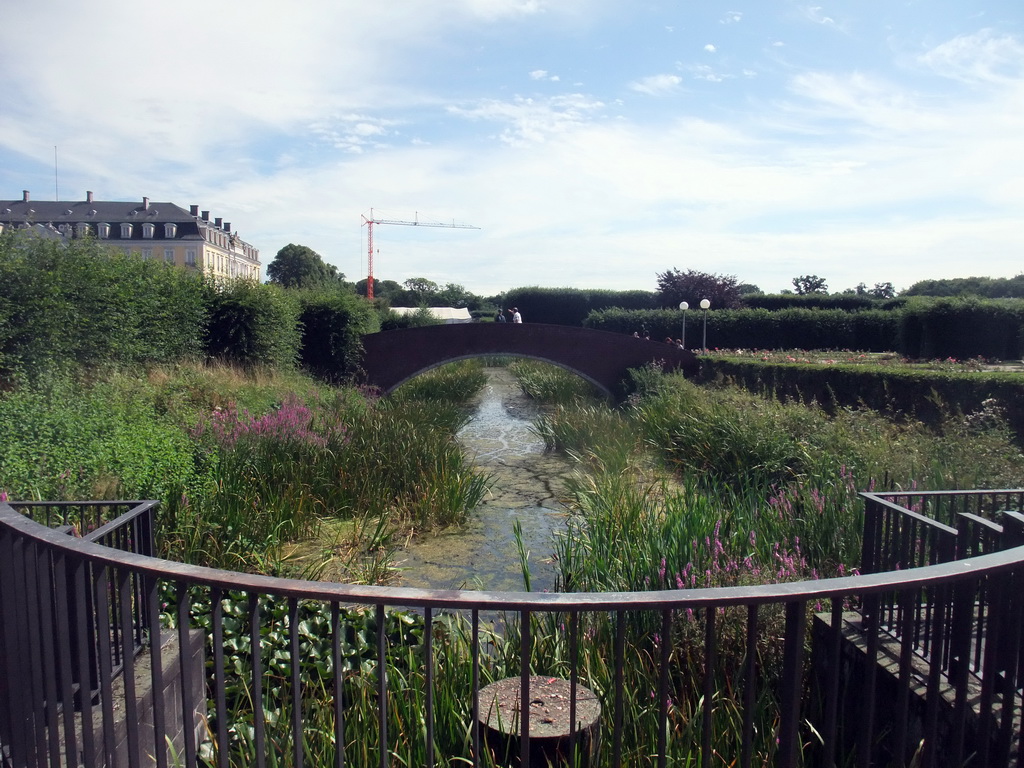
column 81, row 303
column 252, row 324
column 332, row 323
column 925, row 395
column 570, row 306
column 962, row 328
column 873, row 330
column 776, row 301
column 922, row 329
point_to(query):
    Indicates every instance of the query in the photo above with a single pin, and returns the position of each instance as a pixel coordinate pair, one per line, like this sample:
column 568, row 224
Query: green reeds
column 551, row 384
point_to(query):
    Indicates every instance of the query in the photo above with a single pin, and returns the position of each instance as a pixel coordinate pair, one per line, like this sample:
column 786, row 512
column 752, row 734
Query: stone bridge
column 391, row 358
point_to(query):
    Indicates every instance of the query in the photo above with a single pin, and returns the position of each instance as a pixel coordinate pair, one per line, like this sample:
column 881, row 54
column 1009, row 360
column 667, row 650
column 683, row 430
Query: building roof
column 189, row 225
column 70, row 211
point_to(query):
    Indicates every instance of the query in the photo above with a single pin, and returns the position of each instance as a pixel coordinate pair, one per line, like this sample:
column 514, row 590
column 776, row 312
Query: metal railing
column 291, row 662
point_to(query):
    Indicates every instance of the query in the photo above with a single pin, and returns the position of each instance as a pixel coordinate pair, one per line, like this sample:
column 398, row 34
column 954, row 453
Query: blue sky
column 595, row 143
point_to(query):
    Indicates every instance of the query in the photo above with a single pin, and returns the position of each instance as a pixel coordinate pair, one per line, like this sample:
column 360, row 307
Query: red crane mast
column 370, row 220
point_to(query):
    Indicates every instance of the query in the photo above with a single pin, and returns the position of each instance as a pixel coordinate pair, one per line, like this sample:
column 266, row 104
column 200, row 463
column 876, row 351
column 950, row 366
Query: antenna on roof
column 56, row 187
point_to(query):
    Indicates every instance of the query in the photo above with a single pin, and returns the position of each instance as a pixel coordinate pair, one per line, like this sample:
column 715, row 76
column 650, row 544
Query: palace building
column 161, row 231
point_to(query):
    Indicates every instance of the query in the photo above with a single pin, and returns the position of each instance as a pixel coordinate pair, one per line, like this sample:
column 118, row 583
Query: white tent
column 447, row 315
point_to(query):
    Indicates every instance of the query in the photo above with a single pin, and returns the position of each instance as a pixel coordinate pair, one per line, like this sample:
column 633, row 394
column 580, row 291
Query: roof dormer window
column 147, row 230
column 64, row 229
column 81, row 229
column 103, row 230
column 170, row 231
column 126, row 231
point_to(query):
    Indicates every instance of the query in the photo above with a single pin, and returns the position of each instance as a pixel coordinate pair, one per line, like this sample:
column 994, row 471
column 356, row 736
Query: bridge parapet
column 391, row 358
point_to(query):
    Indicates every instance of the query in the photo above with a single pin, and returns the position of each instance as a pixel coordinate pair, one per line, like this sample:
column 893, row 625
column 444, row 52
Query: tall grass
column 244, row 462
column 552, row 384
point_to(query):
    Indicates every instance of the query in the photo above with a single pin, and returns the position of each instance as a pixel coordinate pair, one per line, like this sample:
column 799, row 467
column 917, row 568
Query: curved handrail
column 958, row 633
column 863, row 584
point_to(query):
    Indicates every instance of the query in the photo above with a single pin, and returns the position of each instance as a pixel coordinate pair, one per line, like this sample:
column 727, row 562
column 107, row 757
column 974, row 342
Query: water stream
column 526, row 487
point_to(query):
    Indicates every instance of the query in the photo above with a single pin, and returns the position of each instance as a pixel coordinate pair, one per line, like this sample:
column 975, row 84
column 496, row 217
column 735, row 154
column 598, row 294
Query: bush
column 254, row 325
column 738, row 328
column 845, row 302
column 61, row 440
column 65, row 304
column 928, row 396
column 962, row 328
column 570, row 306
column 332, row 325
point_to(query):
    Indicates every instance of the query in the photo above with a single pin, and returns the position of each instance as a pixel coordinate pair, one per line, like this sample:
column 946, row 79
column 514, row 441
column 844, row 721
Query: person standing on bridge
column 516, row 317
column 499, row 317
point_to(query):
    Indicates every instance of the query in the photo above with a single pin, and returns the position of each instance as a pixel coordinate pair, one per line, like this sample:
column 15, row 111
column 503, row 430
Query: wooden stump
column 552, row 739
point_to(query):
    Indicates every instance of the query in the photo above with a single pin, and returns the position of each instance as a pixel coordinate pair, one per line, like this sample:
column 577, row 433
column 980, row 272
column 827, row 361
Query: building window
column 103, row 230
column 126, row 231
column 170, row 230
column 147, row 230
column 190, row 257
column 169, row 255
column 81, row 229
column 147, row 254
column 64, row 229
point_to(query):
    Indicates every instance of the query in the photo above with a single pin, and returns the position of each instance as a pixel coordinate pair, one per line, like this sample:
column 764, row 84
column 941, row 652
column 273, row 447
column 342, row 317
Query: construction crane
column 370, row 220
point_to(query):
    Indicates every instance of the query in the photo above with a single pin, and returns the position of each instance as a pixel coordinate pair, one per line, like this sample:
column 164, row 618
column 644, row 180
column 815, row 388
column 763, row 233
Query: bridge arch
column 390, row 358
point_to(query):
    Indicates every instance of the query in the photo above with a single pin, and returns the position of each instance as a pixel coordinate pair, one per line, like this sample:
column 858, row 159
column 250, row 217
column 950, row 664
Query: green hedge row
column 86, row 305
column 570, row 306
column 928, row 396
column 871, row 330
column 81, row 304
column 922, row 329
column 845, row 301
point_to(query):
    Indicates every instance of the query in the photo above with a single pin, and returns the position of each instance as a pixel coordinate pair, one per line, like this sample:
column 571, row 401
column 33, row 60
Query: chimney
column 218, row 222
column 88, row 196
column 194, row 210
column 206, row 215
column 145, row 203
column 24, row 195
column 227, row 226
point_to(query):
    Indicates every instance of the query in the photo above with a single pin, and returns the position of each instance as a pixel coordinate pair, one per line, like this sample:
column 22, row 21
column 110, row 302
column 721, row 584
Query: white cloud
column 528, row 120
column 980, row 57
column 710, row 48
column 657, row 85
column 353, row 132
column 704, row 72
column 732, row 17
column 816, row 14
column 292, row 123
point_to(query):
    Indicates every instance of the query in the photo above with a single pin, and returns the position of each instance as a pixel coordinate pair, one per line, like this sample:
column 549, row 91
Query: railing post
column 792, row 673
column 1013, row 530
column 872, row 532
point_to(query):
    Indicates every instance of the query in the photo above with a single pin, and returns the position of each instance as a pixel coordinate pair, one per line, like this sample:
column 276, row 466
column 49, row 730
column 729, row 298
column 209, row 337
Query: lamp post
column 684, row 306
column 705, row 305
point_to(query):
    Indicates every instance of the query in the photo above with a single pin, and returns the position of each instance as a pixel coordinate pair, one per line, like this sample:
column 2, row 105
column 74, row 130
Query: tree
column 692, row 286
column 420, row 290
column 806, row 284
column 386, row 290
column 749, row 289
column 299, row 266
column 883, row 291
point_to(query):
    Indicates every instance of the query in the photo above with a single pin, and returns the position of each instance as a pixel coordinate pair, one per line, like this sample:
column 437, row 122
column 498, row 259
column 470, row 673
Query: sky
column 594, row 143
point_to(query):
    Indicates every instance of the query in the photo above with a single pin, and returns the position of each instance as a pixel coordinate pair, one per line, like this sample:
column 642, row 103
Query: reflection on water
column 482, row 554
